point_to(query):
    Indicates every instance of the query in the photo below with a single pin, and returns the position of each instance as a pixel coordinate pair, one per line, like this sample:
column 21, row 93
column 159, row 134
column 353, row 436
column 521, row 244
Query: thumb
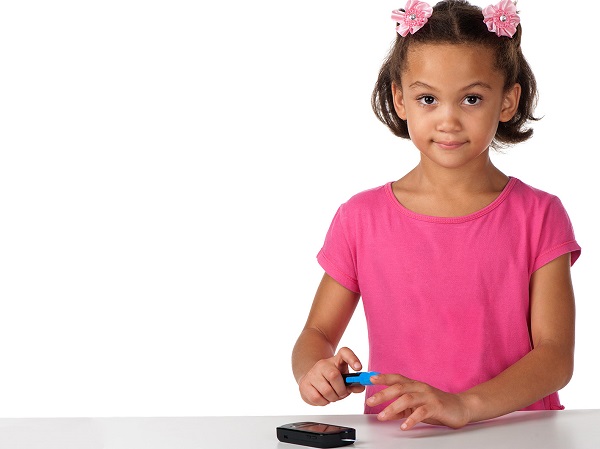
column 347, row 356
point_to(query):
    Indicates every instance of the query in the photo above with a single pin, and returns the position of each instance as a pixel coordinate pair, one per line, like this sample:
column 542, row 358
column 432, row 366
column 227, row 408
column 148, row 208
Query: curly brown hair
column 459, row 22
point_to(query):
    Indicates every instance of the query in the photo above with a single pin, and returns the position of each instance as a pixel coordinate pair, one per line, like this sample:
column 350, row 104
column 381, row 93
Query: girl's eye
column 426, row 100
column 472, row 100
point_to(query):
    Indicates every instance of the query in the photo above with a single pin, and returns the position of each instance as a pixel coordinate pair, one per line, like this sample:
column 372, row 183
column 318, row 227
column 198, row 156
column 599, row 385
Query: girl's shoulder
column 370, row 194
column 372, row 198
column 532, row 196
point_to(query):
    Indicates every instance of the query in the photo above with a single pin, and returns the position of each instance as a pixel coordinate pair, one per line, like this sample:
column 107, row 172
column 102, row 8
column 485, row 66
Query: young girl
column 464, row 272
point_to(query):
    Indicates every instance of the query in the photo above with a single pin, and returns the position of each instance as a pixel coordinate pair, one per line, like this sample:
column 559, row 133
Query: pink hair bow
column 501, row 18
column 412, row 18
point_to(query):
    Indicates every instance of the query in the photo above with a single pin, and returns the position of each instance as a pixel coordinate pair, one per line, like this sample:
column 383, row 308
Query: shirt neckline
column 461, row 219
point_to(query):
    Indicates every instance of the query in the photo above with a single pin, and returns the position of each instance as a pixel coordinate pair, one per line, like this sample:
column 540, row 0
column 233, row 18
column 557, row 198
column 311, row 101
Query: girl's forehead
column 443, row 51
column 450, row 61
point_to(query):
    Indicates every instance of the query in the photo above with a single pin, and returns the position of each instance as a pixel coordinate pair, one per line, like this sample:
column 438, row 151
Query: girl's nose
column 448, row 119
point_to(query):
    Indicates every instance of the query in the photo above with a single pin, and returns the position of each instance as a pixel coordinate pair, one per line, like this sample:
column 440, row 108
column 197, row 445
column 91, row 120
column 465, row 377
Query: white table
column 568, row 429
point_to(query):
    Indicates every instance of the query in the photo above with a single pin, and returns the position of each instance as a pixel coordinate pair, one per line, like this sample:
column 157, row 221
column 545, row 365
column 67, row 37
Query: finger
column 312, row 396
column 418, row 415
column 317, row 390
column 327, row 390
column 336, row 381
column 347, row 356
column 390, row 379
column 387, row 394
column 388, row 416
column 403, row 407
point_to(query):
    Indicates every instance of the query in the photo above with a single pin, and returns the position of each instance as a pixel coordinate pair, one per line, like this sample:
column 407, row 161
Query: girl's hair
column 458, row 22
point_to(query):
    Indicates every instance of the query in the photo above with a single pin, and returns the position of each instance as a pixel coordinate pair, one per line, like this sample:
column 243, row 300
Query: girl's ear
column 510, row 103
column 398, row 101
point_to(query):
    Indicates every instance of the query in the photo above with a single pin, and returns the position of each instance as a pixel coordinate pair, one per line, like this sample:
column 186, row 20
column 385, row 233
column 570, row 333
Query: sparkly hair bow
column 412, row 17
column 501, row 18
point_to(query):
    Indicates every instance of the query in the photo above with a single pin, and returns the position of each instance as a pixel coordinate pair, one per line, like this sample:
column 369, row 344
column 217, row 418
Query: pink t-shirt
column 447, row 299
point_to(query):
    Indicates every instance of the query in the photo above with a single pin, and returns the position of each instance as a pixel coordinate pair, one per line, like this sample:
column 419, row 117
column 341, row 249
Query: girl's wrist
column 473, row 405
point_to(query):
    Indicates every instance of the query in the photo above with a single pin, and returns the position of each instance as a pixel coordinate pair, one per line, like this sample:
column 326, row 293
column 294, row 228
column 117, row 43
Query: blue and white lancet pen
column 359, row 378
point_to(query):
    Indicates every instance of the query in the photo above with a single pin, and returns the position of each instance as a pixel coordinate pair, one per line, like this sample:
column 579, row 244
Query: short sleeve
column 557, row 236
column 337, row 257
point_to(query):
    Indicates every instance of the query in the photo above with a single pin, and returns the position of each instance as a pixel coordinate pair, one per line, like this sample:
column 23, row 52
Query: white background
column 168, row 171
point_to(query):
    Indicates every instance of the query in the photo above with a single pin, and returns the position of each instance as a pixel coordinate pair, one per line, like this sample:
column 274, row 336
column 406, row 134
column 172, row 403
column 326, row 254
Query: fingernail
column 357, row 366
column 403, row 426
column 382, row 415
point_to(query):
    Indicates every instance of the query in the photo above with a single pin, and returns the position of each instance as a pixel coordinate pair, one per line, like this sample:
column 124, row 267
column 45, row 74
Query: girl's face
column 452, row 98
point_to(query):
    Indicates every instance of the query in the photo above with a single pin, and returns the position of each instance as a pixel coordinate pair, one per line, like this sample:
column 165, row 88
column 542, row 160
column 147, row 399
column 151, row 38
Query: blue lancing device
column 359, row 378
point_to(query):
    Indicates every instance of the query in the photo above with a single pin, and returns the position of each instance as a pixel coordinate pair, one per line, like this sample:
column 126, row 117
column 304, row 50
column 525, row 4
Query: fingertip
column 350, row 358
column 375, row 379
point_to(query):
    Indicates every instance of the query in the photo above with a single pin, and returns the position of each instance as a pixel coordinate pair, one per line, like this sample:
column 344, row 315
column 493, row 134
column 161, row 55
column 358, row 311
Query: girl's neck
column 480, row 177
column 449, row 192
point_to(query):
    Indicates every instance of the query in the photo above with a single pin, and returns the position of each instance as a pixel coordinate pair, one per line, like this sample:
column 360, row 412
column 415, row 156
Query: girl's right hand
column 324, row 383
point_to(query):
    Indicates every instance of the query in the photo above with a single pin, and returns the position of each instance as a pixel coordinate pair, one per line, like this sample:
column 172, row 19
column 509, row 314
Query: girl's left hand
column 417, row 402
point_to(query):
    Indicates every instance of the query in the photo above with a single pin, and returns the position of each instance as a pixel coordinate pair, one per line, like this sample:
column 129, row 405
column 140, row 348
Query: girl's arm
column 316, row 367
column 549, row 366
column 545, row 369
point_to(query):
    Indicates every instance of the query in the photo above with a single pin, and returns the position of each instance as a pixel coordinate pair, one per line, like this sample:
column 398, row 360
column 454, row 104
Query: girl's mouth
column 449, row 145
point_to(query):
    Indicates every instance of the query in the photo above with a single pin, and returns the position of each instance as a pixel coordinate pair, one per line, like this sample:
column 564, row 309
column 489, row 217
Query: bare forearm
column 310, row 347
column 543, row 371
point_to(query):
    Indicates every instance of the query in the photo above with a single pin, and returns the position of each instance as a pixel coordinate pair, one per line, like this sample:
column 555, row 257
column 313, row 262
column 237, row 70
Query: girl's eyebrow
column 426, row 86
column 421, row 84
column 478, row 84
